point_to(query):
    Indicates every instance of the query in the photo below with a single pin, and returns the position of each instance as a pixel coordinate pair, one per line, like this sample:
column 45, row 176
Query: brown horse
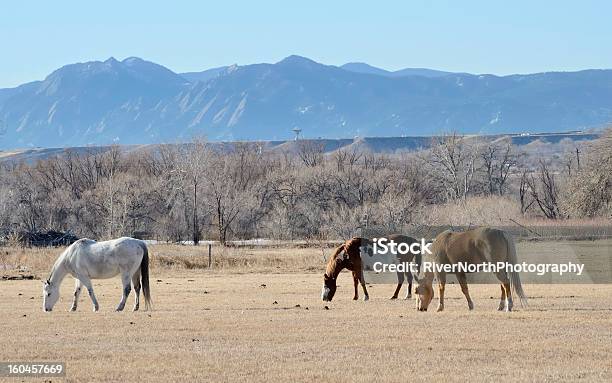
column 471, row 247
column 346, row 256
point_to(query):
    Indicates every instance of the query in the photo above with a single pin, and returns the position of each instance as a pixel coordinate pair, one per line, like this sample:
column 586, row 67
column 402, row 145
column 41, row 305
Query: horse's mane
column 331, row 262
column 351, row 247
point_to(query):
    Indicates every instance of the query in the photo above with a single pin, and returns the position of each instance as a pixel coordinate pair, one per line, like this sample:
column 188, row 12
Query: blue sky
column 499, row 37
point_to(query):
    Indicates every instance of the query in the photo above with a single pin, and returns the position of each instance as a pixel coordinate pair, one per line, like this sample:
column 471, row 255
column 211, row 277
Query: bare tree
column 590, row 189
column 545, row 191
column 346, row 158
column 193, row 159
column 524, row 196
column 310, row 152
column 454, row 164
column 498, row 160
column 230, row 188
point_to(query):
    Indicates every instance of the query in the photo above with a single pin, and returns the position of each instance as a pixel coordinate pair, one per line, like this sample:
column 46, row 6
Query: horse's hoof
column 441, row 308
column 366, row 298
column 72, row 309
column 135, row 308
column 355, row 298
column 393, row 297
column 408, row 297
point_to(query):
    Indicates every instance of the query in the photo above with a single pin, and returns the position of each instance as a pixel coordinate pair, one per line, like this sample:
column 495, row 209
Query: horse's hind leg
column 126, row 280
column 464, row 289
column 136, row 284
column 502, row 300
column 509, row 303
column 355, row 284
column 400, row 281
column 363, row 286
column 505, row 303
column 77, row 292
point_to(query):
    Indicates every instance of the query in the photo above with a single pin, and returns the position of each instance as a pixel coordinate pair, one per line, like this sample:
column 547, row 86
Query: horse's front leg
column 77, row 292
column 409, row 291
column 126, row 280
column 363, row 286
column 441, row 285
column 87, row 283
column 355, row 284
column 464, row 289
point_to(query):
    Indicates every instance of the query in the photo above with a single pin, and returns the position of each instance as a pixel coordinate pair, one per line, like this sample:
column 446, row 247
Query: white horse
column 87, row 259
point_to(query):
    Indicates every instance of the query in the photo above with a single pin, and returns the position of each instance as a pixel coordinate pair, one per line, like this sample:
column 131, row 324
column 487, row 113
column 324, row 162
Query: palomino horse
column 482, row 245
column 404, row 258
column 346, row 256
column 86, row 259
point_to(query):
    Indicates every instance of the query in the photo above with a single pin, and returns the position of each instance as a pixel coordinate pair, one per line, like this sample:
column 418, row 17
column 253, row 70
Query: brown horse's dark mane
column 351, row 247
column 330, row 269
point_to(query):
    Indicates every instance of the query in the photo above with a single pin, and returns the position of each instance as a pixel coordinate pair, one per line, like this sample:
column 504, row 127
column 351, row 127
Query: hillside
column 138, row 102
column 530, row 144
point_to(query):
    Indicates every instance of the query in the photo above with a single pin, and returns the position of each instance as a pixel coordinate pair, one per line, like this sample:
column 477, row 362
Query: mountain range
column 134, row 101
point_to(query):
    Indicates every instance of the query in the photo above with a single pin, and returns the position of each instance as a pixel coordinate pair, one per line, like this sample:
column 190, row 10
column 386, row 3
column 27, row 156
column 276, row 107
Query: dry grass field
column 257, row 316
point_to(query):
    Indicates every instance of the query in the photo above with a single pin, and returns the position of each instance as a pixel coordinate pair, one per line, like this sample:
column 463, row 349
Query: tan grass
column 257, row 316
column 240, row 259
column 227, row 327
column 38, row 261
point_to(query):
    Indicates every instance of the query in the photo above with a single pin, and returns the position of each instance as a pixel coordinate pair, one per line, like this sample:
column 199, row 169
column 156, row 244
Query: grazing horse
column 482, row 245
column 87, row 259
column 346, row 256
column 404, row 258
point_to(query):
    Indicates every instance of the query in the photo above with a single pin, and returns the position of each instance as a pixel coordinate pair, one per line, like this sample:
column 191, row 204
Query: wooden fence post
column 209, row 255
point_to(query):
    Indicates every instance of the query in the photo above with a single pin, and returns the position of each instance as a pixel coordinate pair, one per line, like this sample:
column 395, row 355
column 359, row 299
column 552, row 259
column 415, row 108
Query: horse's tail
column 515, row 279
column 144, row 276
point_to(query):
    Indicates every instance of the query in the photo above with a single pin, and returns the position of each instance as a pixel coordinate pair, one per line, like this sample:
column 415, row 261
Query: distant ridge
column 357, row 144
column 135, row 101
column 203, row 76
column 366, row 68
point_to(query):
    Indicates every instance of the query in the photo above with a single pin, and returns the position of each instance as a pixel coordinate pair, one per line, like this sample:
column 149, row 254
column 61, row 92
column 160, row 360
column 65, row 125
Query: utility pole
column 297, row 132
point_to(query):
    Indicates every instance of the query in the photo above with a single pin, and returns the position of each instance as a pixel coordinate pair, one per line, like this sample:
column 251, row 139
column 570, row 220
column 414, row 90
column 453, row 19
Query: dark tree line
column 194, row 191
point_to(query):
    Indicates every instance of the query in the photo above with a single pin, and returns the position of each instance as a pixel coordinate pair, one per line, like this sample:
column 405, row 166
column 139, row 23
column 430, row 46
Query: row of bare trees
column 196, row 190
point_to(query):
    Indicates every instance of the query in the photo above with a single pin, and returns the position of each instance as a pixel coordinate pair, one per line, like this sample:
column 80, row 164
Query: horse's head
column 424, row 292
column 329, row 288
column 50, row 295
column 338, row 261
